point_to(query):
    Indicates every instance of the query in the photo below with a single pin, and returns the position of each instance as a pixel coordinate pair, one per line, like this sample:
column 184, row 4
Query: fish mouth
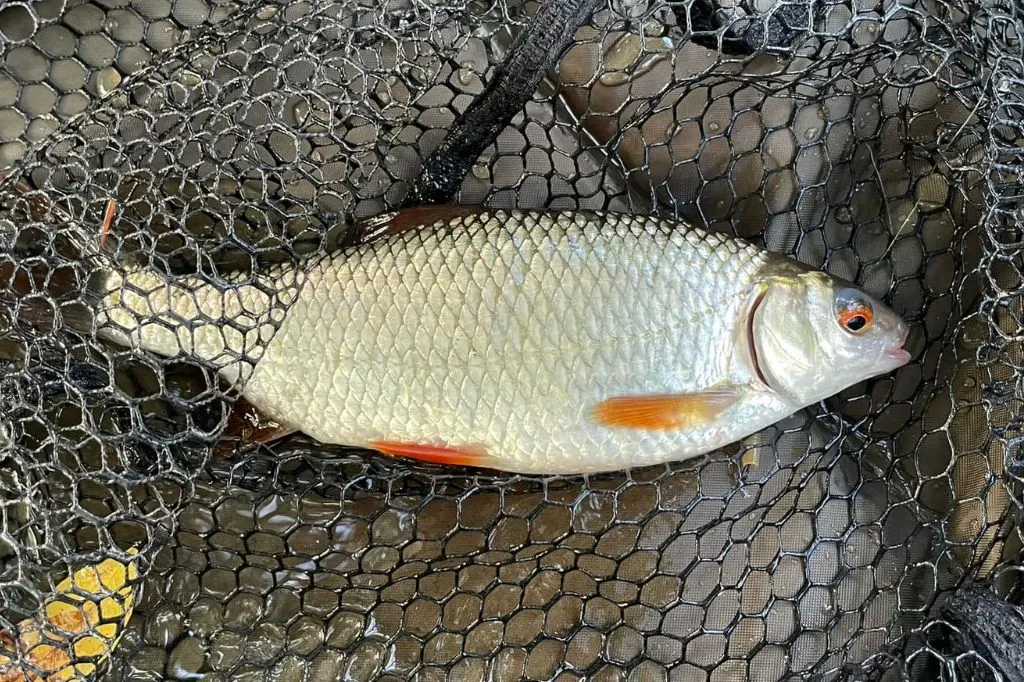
column 899, row 354
column 752, row 345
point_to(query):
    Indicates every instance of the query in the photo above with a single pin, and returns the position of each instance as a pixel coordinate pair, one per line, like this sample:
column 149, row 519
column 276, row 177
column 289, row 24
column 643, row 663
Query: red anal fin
column 247, row 425
column 397, row 222
column 464, row 455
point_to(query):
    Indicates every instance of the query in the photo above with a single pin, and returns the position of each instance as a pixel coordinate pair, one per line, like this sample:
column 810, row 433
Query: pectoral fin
column 664, row 412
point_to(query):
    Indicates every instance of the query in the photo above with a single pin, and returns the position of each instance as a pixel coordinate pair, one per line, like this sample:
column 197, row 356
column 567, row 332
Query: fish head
column 812, row 335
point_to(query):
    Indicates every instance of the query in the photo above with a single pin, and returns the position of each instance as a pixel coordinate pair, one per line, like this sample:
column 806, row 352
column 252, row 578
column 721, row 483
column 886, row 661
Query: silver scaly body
column 499, row 329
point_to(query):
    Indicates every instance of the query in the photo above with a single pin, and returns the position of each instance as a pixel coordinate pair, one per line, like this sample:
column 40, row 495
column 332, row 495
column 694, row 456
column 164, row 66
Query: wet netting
column 880, row 141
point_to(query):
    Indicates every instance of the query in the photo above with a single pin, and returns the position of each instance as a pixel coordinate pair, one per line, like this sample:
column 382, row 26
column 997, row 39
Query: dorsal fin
column 396, row 222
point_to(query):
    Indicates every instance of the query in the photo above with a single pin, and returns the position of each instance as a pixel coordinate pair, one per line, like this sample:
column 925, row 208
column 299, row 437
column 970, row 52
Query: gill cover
column 783, row 339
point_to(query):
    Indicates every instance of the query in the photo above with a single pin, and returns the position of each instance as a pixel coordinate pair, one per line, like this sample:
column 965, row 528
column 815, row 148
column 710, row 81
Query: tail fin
column 49, row 279
column 65, row 278
column 47, row 300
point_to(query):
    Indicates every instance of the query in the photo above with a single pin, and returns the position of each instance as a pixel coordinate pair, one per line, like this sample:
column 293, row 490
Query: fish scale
column 500, row 331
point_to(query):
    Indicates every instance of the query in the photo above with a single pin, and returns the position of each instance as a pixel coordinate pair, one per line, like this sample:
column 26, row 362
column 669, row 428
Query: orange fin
column 663, row 412
column 464, row 455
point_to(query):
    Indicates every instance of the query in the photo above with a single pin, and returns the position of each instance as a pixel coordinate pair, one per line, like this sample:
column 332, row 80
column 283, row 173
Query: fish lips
column 898, row 355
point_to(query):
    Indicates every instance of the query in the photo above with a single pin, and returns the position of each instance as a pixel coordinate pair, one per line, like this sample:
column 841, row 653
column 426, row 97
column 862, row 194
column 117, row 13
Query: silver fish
column 535, row 342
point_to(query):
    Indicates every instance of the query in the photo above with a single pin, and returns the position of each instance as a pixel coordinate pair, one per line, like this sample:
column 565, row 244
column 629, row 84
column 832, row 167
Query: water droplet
column 268, row 12
column 316, row 156
column 623, row 52
column 466, row 74
column 865, row 32
column 301, row 110
column 648, row 63
column 654, row 29
column 613, row 78
column 107, row 81
column 714, row 126
column 972, row 334
column 970, row 382
column 481, row 171
column 391, row 158
column 629, row 50
column 843, row 214
column 811, row 133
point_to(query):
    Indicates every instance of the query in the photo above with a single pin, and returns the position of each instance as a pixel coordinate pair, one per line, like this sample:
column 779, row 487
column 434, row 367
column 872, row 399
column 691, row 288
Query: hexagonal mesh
column 877, row 140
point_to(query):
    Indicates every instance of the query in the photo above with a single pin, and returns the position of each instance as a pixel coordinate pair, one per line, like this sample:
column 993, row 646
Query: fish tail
column 50, row 282
column 222, row 320
column 136, row 307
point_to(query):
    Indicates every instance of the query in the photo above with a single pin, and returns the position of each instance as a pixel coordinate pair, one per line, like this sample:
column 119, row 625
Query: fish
column 79, row 627
column 553, row 342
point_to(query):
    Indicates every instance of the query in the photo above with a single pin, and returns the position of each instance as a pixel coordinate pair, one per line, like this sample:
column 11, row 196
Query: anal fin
column 451, row 455
column 665, row 412
column 247, row 425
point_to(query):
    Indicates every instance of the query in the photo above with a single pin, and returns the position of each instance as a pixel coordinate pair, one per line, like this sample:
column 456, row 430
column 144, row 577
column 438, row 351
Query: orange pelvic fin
column 664, row 412
column 463, row 455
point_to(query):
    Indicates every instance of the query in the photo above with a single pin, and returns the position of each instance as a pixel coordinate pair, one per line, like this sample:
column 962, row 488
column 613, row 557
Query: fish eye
column 854, row 312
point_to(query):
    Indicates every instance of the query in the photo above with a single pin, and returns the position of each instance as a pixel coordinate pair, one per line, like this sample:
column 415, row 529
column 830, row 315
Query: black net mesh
column 879, row 141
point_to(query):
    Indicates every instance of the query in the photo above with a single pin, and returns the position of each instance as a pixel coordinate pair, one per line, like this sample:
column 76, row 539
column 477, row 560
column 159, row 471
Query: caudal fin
column 49, row 276
column 46, row 299
column 72, row 277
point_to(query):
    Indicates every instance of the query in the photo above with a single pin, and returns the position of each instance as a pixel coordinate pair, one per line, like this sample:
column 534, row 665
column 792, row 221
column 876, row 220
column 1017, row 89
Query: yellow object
column 81, row 624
